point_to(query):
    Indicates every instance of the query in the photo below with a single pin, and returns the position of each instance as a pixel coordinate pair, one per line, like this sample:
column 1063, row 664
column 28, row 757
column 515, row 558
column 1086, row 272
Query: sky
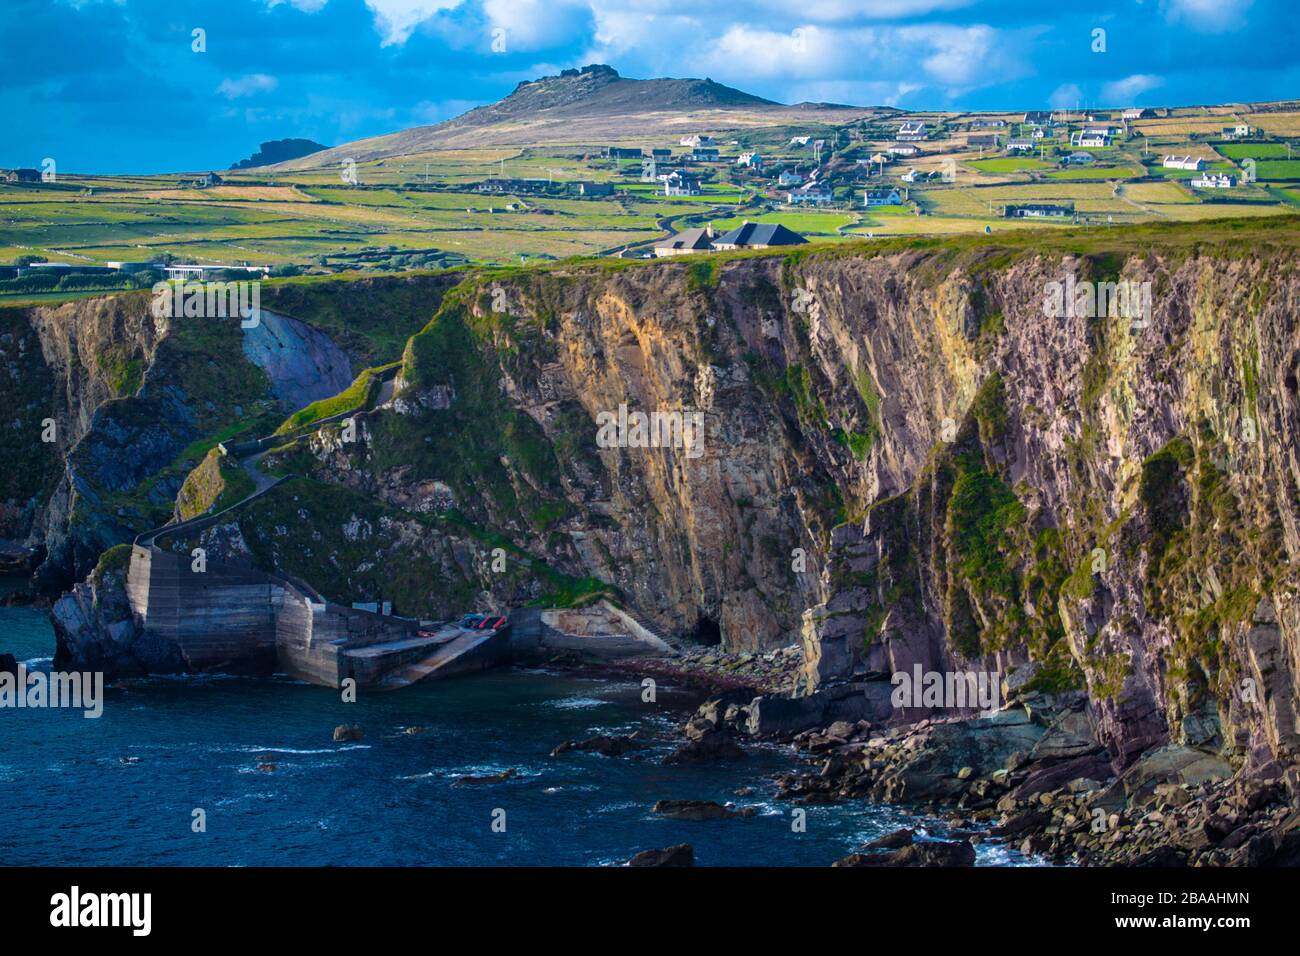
column 119, row 86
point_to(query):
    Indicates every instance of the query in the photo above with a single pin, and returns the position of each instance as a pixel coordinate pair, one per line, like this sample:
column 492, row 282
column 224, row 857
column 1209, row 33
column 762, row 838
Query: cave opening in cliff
column 707, row 632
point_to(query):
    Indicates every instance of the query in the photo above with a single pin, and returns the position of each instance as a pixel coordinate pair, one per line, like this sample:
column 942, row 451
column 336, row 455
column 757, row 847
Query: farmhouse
column 1037, row 211
column 881, row 197
column 621, row 152
column 685, row 243
column 1137, row 113
column 1240, row 131
column 813, row 194
column 987, row 123
column 789, row 177
column 912, row 130
column 903, row 149
column 1020, row 146
column 1078, row 159
column 752, row 160
column 1092, row 137
column 986, row 141
column 918, row 175
column 704, row 154
column 586, row 188
column 659, row 154
column 1214, row 181
column 797, row 141
column 696, row 141
column 758, row 235
column 1039, row 118
column 22, row 176
column 678, row 183
column 1183, row 162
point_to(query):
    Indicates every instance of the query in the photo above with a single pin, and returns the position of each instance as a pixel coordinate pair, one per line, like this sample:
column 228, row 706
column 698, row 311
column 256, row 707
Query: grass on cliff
column 358, row 395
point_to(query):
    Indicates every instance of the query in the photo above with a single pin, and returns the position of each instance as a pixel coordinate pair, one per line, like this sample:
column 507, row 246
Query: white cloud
column 247, row 85
column 396, row 19
column 1065, row 96
column 535, row 24
column 1130, row 88
column 1208, row 16
column 306, row 6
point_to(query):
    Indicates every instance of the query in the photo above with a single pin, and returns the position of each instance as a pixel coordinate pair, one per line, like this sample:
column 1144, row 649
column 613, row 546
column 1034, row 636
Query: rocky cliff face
column 108, row 408
column 905, row 461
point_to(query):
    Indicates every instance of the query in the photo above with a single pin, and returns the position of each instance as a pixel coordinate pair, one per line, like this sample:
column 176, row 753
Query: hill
column 279, row 151
column 588, row 105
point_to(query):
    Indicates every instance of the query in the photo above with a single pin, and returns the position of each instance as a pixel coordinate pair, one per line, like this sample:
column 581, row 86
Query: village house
column 1039, row 118
column 789, row 177
column 693, row 142
column 798, row 141
column 586, row 188
column 881, row 197
column 1137, row 113
column 1090, row 137
column 987, row 123
column 986, row 141
column 813, row 194
column 910, row 131
column 1214, row 181
column 659, row 154
column 621, row 152
column 1020, row 146
column 1183, row 162
column 22, row 176
column 685, row 243
column 1078, row 159
column 919, row 175
column 1037, row 211
column 752, row 160
column 758, row 235
column 704, row 154
column 903, row 149
column 678, row 183
column 1240, row 131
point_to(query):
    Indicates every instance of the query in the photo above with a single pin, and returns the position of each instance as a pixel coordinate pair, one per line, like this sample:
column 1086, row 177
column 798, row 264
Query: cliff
column 905, row 460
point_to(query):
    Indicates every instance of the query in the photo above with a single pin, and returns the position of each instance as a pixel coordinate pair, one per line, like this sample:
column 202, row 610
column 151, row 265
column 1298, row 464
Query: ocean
column 124, row 789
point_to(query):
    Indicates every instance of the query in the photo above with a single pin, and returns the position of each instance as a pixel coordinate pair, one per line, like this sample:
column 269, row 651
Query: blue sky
column 115, row 85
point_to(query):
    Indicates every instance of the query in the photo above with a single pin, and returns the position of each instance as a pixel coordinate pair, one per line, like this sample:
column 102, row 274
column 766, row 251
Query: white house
column 696, row 141
column 1184, row 162
column 797, row 141
column 752, row 160
column 1240, row 131
column 1020, row 146
column 1091, row 136
column 902, row 149
column 1214, row 181
column 1079, row 159
column 1136, row 113
column 881, row 197
column 911, row 130
column 678, row 183
column 813, row 194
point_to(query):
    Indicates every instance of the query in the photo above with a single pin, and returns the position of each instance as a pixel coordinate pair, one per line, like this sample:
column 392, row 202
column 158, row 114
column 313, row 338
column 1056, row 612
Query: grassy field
column 423, row 211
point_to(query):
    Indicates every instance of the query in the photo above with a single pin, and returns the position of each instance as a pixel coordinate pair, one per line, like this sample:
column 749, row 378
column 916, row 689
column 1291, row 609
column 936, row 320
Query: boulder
column 926, row 853
column 694, row 810
column 346, row 732
column 604, row 744
column 892, row 841
column 1171, row 764
column 680, row 855
column 772, row 715
column 714, row 745
column 472, row 781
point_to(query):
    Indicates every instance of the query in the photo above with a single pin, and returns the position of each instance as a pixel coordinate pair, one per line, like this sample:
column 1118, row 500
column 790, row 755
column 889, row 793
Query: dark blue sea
column 122, row 789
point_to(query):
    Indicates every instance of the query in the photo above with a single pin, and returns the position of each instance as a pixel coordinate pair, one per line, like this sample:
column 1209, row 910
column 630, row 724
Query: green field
column 1008, row 164
column 1254, row 150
